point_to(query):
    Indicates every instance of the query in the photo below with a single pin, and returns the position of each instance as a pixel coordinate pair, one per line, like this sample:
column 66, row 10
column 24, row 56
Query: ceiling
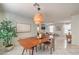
column 52, row 11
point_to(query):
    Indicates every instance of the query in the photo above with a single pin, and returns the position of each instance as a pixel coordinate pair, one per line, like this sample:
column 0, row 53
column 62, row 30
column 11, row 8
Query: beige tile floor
column 61, row 48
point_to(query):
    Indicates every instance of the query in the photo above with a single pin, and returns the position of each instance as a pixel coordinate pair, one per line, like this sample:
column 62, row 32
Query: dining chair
column 50, row 43
column 69, row 38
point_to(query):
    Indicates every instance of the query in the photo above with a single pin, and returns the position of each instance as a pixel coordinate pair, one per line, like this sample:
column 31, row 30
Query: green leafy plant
column 7, row 32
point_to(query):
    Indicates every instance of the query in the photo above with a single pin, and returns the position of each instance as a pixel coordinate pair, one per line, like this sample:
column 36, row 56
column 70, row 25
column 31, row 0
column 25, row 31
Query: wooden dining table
column 31, row 42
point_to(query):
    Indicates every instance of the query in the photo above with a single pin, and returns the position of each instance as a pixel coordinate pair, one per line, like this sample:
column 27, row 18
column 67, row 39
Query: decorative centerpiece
column 7, row 33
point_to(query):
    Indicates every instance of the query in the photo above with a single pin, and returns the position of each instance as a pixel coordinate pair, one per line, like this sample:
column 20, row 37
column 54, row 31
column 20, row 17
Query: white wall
column 75, row 29
column 61, row 31
column 2, row 15
column 19, row 19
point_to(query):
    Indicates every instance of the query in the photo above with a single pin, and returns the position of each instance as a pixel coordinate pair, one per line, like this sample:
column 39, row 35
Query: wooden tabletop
column 31, row 42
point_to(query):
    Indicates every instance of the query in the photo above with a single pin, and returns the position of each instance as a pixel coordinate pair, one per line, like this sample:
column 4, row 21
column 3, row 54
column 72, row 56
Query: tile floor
column 61, row 48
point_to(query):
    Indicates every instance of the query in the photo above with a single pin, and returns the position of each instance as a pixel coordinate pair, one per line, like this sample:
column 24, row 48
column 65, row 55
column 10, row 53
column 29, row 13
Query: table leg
column 23, row 51
column 43, row 47
column 32, row 50
column 40, row 46
column 36, row 48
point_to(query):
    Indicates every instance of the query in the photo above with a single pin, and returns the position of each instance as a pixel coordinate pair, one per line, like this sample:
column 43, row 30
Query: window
column 67, row 28
column 51, row 28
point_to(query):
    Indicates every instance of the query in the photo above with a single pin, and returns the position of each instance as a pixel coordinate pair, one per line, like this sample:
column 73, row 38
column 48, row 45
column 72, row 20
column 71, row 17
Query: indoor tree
column 7, row 32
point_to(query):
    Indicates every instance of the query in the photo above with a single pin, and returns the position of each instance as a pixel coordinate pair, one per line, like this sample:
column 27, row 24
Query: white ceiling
column 51, row 11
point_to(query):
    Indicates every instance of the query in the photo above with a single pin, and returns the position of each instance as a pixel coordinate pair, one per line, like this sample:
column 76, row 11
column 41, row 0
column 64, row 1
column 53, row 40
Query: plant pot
column 8, row 48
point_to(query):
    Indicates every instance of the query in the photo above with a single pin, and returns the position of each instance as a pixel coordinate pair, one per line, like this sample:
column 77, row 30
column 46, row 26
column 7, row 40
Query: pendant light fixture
column 38, row 18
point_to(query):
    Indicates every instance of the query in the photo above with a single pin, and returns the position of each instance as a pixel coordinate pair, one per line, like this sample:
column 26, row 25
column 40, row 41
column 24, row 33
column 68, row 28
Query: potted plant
column 7, row 32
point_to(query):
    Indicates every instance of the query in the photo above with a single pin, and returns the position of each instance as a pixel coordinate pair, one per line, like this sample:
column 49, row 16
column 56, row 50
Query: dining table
column 31, row 42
